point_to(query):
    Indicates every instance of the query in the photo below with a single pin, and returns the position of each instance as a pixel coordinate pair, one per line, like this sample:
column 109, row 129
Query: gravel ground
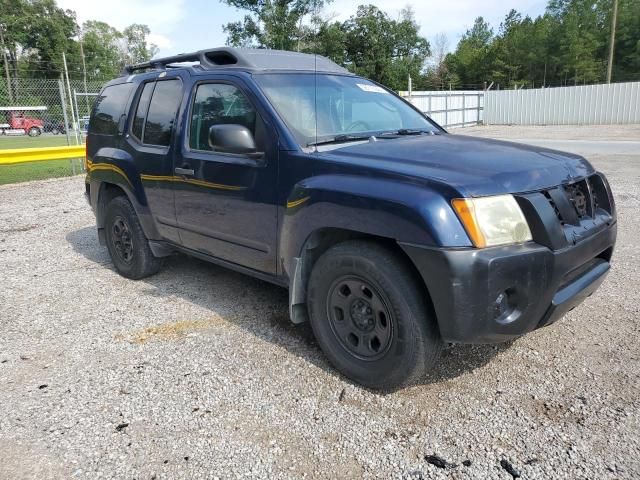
column 557, row 132
column 197, row 372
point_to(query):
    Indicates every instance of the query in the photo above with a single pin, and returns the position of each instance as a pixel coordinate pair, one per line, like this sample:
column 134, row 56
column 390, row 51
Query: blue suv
column 392, row 236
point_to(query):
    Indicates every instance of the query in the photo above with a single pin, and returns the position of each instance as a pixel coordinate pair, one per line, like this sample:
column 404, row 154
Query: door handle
column 184, row 171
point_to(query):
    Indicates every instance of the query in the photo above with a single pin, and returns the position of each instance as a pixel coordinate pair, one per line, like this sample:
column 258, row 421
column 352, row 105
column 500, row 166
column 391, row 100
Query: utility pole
column 76, row 122
column 6, row 63
column 63, row 102
column 614, row 21
column 84, row 72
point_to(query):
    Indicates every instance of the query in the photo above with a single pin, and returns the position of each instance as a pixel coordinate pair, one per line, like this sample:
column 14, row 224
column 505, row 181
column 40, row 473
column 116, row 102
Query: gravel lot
column 197, row 372
column 557, row 132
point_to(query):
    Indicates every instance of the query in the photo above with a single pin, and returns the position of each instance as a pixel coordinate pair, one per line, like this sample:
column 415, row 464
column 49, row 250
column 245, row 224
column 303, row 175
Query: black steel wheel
column 121, row 239
column 371, row 315
column 360, row 317
column 127, row 244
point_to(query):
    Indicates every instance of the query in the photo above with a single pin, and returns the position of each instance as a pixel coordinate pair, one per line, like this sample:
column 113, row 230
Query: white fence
column 582, row 105
column 450, row 108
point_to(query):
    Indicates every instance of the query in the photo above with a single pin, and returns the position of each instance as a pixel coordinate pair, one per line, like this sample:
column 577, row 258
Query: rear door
column 151, row 143
column 226, row 203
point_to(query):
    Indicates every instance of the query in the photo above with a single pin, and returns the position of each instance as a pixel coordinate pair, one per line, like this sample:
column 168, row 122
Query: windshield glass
column 346, row 105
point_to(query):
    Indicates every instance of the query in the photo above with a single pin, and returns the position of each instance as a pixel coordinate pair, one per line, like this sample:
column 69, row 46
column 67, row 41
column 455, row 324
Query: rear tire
column 35, row 132
column 127, row 244
column 370, row 316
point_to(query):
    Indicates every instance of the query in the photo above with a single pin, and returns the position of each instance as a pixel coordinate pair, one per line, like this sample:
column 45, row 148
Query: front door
column 226, row 203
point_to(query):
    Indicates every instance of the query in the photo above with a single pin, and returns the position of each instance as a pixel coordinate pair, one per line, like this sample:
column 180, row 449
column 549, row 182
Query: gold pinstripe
column 91, row 167
column 191, row 181
column 295, row 203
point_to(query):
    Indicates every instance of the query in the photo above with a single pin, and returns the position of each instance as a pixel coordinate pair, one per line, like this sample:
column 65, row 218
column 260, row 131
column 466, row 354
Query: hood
column 474, row 166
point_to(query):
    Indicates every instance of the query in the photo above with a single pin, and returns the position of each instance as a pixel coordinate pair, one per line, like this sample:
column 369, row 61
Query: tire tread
column 145, row 263
column 393, row 273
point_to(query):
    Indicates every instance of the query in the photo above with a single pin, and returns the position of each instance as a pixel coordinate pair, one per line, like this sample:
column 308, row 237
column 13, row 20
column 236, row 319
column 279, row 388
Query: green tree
column 627, row 46
column 327, row 39
column 437, row 75
column 102, row 46
column 520, row 51
column 277, row 24
column 36, row 33
column 375, row 46
column 568, row 45
column 474, row 56
column 137, row 47
column 581, row 45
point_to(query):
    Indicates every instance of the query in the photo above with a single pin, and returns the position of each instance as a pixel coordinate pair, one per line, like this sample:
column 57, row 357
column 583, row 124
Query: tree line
column 567, row 45
column 34, row 35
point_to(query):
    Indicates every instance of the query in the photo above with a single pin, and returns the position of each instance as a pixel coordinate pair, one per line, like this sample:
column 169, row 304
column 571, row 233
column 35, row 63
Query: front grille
column 553, row 205
column 570, row 213
column 578, row 201
column 580, row 197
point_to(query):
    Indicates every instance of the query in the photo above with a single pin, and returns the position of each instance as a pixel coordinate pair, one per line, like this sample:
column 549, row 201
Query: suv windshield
column 347, row 107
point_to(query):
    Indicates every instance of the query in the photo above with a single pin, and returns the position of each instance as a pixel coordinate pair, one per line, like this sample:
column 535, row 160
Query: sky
column 179, row 26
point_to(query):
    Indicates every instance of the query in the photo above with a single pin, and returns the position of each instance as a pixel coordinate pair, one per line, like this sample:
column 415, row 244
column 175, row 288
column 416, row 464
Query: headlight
column 491, row 221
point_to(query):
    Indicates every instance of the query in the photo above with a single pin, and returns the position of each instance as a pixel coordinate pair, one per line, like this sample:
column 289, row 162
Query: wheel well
column 322, row 240
column 108, row 191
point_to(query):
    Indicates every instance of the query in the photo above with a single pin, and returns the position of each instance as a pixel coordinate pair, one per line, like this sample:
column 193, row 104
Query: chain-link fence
column 37, row 113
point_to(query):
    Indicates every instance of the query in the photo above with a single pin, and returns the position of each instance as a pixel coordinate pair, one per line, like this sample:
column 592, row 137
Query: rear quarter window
column 108, row 109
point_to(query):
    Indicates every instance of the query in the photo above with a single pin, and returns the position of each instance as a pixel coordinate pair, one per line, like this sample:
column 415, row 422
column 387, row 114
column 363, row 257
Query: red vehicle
column 14, row 121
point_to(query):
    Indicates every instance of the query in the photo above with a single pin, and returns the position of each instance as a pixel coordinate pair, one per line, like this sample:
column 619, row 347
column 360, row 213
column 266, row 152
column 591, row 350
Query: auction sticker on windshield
column 371, row 88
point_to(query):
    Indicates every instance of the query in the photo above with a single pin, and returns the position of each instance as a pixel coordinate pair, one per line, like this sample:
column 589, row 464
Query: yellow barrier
column 24, row 155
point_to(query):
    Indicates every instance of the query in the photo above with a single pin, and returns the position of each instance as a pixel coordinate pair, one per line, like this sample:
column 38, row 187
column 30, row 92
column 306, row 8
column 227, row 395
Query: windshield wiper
column 339, row 139
column 407, row 131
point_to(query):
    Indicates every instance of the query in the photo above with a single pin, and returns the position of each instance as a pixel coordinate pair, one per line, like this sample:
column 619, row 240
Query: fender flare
column 115, row 167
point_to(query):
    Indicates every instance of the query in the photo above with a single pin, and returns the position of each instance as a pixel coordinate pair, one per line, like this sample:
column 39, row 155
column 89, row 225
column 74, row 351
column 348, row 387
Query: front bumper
column 494, row 294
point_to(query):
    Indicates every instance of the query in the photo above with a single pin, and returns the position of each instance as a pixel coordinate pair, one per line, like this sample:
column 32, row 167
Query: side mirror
column 233, row 138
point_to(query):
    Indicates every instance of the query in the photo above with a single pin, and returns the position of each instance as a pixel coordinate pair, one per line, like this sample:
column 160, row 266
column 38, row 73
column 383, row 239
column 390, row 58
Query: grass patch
column 25, row 172
column 24, row 141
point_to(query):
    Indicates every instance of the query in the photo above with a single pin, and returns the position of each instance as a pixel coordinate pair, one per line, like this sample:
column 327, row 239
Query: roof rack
column 244, row 58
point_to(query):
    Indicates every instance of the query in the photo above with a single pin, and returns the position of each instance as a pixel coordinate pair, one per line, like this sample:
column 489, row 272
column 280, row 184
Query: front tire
column 35, row 132
column 370, row 317
column 126, row 242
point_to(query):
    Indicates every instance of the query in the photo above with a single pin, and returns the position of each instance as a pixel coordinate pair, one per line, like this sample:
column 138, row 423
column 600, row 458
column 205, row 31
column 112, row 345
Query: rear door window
column 163, row 110
column 108, row 109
